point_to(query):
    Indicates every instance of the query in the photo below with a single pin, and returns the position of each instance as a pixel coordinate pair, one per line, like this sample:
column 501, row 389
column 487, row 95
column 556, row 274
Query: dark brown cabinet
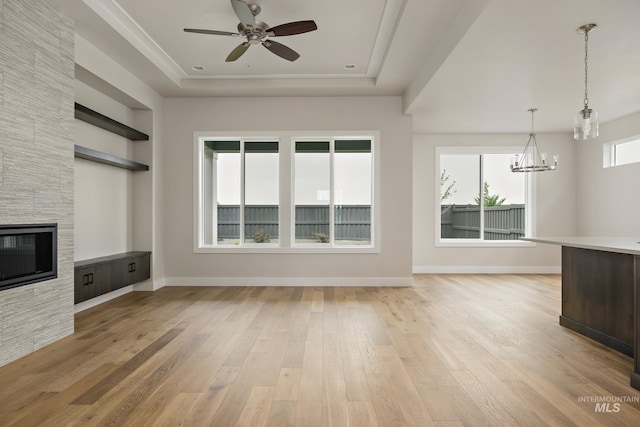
column 132, row 269
column 98, row 276
column 91, row 281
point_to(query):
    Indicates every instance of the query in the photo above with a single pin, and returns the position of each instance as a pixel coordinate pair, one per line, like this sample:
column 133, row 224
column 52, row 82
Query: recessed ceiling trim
column 268, row 83
column 113, row 14
column 388, row 25
column 275, row 76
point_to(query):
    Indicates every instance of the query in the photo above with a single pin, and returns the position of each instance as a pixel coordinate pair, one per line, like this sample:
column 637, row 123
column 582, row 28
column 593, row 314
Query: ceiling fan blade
column 214, row 32
column 238, row 52
column 281, row 50
column 244, row 13
column 293, row 28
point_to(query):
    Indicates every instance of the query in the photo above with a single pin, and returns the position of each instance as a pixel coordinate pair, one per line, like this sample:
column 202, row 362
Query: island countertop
column 622, row 245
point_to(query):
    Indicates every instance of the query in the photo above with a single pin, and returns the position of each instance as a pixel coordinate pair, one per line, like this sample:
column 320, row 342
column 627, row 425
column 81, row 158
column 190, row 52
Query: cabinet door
column 140, row 268
column 120, row 273
column 134, row 269
column 103, row 279
column 82, row 284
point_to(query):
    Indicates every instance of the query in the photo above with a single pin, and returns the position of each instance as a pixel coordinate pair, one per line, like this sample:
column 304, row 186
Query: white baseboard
column 146, row 286
column 481, row 269
column 291, row 281
column 84, row 305
column 149, row 285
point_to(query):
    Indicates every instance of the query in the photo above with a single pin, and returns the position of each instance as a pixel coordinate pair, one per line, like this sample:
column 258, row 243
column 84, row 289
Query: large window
column 622, row 152
column 333, row 192
column 326, row 200
column 479, row 200
column 240, row 185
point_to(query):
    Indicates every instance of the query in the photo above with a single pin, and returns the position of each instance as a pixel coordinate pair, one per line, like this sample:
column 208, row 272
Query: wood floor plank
column 288, row 385
column 361, row 414
column 41, row 411
column 451, row 351
column 309, row 408
column 334, row 402
column 175, row 413
column 385, row 403
column 256, row 410
column 281, row 414
column 65, row 416
column 96, row 392
column 162, row 396
column 205, row 409
column 402, row 386
column 251, row 374
column 136, row 399
column 270, row 365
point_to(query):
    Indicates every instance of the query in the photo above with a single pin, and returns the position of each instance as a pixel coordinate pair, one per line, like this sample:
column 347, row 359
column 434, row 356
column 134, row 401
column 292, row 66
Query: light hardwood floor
column 453, row 350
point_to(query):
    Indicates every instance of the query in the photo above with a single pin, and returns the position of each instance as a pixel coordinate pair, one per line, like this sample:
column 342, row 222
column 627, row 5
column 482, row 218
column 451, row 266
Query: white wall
column 103, row 193
column 608, row 201
column 555, row 209
column 184, row 116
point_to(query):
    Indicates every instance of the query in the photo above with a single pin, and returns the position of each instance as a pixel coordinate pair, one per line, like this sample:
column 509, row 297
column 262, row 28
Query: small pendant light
column 585, row 124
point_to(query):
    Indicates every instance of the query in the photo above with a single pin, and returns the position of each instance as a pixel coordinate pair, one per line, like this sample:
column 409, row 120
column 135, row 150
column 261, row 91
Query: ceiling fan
column 258, row 32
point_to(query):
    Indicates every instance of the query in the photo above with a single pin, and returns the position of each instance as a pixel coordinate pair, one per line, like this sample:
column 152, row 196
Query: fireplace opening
column 28, row 254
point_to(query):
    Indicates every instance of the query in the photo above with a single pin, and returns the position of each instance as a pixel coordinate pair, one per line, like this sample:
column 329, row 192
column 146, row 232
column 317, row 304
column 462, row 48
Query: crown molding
column 128, row 28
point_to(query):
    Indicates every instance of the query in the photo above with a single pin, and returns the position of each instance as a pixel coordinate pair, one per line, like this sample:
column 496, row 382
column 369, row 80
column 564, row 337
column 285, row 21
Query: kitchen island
column 601, row 291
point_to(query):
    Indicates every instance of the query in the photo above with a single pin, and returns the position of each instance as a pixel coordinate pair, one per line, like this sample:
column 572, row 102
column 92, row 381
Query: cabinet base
column 635, row 380
column 598, row 336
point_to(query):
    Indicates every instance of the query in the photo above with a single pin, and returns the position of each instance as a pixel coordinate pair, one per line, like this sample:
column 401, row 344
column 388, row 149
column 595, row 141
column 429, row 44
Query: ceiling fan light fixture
column 585, row 122
column 257, row 32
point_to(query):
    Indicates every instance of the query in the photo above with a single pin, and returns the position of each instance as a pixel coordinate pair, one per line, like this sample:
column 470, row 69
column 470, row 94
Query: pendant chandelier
column 585, row 124
column 532, row 159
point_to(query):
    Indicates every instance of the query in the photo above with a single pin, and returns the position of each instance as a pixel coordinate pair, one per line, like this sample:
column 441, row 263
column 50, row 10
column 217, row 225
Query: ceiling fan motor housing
column 256, row 34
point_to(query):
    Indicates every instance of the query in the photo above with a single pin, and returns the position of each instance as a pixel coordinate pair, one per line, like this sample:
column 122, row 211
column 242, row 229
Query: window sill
column 464, row 243
column 259, row 249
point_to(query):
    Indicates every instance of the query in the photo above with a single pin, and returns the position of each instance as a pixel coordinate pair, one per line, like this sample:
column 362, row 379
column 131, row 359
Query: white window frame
column 199, row 205
column 331, row 243
column 286, row 149
column 609, row 152
column 530, row 184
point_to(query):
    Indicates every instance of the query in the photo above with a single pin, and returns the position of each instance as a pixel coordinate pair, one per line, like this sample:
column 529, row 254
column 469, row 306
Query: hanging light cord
column 533, row 110
column 586, row 67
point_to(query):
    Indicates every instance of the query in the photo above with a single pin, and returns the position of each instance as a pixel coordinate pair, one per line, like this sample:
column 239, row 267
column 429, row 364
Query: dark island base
column 635, row 381
column 601, row 300
column 598, row 336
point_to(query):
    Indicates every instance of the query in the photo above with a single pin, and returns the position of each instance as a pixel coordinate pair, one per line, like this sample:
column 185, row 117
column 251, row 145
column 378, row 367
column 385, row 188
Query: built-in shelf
column 93, row 117
column 108, row 159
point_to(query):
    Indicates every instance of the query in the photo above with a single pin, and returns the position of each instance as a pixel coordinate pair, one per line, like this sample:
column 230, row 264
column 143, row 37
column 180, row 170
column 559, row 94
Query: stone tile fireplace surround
column 36, row 164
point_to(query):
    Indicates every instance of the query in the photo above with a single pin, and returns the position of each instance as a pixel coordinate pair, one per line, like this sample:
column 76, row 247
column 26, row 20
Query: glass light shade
column 585, row 124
